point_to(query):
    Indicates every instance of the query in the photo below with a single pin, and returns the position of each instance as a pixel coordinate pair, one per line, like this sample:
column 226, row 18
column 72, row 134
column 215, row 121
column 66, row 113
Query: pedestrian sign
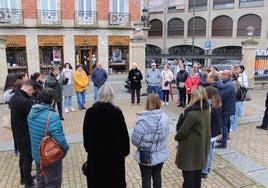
column 207, row 45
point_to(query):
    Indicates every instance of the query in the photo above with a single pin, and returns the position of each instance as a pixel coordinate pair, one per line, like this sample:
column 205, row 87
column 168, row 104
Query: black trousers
column 166, row 95
column 25, row 163
column 148, row 172
column 182, row 96
column 192, row 179
column 265, row 118
column 138, row 94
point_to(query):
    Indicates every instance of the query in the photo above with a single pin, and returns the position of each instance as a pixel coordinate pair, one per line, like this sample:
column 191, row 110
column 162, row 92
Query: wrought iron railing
column 120, row 19
column 11, row 16
column 49, row 16
column 86, row 17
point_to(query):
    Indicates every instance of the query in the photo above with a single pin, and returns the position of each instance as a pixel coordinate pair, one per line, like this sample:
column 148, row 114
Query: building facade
column 42, row 33
column 200, row 27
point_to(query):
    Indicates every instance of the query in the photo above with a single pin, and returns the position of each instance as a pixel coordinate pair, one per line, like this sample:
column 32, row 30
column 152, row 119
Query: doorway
column 86, row 60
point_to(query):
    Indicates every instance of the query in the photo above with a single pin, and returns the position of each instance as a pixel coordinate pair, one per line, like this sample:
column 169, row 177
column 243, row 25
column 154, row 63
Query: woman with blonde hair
column 106, row 142
column 194, row 133
column 150, row 133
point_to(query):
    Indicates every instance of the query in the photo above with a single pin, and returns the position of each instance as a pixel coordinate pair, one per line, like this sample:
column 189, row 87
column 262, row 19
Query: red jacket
column 190, row 82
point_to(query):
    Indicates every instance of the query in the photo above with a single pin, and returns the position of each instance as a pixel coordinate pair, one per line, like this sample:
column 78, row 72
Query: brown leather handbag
column 49, row 150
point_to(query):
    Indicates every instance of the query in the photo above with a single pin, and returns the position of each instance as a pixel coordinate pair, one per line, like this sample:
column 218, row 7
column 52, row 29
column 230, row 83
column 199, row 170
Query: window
column 223, row 4
column 175, row 5
column 119, row 6
column 175, row 27
column 199, row 29
column 49, row 5
column 249, row 20
column 10, row 4
column 251, row 3
column 156, row 5
column 222, row 26
column 85, row 5
column 199, row 4
column 156, row 28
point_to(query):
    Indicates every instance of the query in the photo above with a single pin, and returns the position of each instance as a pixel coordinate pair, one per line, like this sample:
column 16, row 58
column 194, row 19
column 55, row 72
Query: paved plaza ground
column 243, row 164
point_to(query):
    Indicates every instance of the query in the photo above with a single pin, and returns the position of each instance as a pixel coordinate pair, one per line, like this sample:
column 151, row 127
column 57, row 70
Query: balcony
column 11, row 16
column 49, row 17
column 86, row 18
column 119, row 19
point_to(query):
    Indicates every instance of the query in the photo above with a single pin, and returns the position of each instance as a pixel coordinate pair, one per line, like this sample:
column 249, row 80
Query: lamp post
column 145, row 17
column 193, row 29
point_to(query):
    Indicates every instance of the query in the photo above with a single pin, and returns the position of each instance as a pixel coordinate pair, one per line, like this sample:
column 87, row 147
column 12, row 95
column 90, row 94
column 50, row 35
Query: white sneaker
column 167, row 103
column 72, row 109
column 163, row 103
column 66, row 110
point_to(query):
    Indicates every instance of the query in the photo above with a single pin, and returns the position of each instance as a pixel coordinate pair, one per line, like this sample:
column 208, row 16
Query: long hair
column 213, row 94
column 10, row 81
column 198, row 94
column 153, row 102
column 35, row 75
column 106, row 94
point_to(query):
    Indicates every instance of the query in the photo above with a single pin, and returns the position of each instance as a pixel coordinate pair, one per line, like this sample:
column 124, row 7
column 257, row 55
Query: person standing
column 98, row 77
column 192, row 80
column 180, row 81
column 234, row 118
column 193, row 138
column 228, row 106
column 20, row 106
column 81, row 83
column 166, row 79
column 243, row 80
column 135, row 77
column 264, row 124
column 37, row 124
column 214, row 101
column 153, row 79
column 40, row 84
column 56, row 82
column 151, row 130
column 106, row 152
column 68, row 88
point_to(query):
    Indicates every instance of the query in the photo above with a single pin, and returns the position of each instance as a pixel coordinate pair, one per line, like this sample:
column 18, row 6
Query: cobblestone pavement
column 242, row 164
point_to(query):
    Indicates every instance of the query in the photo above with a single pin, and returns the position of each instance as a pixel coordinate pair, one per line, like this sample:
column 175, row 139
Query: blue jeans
column 225, row 126
column 240, row 109
column 68, row 101
column 153, row 88
column 148, row 172
column 81, row 99
column 96, row 91
column 234, row 118
column 206, row 169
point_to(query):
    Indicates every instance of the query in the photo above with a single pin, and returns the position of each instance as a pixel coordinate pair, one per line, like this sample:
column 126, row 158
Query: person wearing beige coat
column 166, row 79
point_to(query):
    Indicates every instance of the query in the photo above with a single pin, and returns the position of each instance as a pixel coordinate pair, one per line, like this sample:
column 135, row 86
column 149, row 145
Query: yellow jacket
column 81, row 81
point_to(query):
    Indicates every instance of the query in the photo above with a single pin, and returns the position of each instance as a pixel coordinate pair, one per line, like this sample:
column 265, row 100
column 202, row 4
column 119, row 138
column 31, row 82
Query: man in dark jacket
column 228, row 106
column 20, row 106
column 135, row 77
column 56, row 82
column 98, row 77
column 180, row 81
column 265, row 117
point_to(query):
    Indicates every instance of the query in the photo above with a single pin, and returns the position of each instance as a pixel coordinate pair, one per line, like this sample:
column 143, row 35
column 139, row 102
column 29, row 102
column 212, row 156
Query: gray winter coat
column 151, row 129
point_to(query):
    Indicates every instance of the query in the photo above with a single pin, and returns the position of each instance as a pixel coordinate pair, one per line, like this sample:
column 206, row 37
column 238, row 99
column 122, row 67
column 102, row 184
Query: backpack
column 49, row 150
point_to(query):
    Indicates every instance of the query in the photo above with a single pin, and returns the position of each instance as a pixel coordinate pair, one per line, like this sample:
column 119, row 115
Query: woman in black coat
column 106, row 141
column 135, row 77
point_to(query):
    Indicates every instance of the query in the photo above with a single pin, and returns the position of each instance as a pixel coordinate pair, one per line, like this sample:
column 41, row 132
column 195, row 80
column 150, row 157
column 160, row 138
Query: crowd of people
column 211, row 112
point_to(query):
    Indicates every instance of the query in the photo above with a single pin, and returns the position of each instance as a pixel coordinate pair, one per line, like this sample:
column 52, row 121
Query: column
column 249, row 47
column 3, row 64
column 137, row 53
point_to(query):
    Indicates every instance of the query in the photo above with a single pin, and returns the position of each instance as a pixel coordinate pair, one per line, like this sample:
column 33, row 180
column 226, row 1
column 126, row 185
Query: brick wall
column 67, row 9
column 29, row 8
column 102, row 7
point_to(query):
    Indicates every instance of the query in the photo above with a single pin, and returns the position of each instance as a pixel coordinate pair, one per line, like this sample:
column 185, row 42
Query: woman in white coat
column 166, row 79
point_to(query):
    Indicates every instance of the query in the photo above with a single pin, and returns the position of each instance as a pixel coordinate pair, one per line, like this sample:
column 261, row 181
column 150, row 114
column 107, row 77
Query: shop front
column 118, row 54
column 16, row 53
column 50, row 52
column 86, row 51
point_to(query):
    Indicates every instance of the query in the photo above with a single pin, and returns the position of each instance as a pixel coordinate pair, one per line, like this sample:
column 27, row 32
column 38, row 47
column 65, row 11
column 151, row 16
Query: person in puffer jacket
column 37, row 124
column 151, row 129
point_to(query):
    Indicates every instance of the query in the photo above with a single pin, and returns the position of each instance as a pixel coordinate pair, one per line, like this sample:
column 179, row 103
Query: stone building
column 39, row 34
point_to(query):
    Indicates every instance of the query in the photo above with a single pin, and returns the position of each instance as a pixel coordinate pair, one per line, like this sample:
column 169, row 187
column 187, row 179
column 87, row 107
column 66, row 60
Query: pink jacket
column 190, row 82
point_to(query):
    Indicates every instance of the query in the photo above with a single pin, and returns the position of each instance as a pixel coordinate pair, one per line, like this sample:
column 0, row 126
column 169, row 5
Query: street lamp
column 145, row 17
